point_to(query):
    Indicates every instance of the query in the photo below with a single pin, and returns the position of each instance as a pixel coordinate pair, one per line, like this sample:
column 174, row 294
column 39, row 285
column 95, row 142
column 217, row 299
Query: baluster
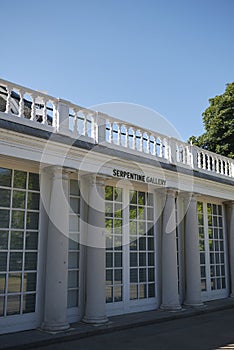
column 33, row 108
column 204, row 161
column 75, row 131
column 110, row 133
column 84, row 132
column 160, row 147
column 118, row 134
column 55, row 118
column 154, row 150
column 226, row 168
column 148, row 144
column 44, row 112
column 199, row 159
column 126, row 140
column 133, row 139
column 217, row 166
column 8, row 101
column 21, row 104
column 208, row 162
column 92, row 131
column 213, row 163
column 141, row 141
column 221, row 167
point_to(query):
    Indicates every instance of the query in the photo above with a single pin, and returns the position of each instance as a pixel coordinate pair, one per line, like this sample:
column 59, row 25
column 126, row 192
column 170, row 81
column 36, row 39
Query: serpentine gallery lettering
column 138, row 177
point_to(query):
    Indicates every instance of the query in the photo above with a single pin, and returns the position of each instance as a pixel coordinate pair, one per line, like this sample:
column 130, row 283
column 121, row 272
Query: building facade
column 99, row 217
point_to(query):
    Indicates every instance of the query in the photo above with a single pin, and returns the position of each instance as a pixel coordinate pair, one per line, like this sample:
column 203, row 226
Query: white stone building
column 99, row 217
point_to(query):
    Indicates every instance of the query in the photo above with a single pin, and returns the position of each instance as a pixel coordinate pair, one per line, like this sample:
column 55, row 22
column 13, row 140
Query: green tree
column 218, row 121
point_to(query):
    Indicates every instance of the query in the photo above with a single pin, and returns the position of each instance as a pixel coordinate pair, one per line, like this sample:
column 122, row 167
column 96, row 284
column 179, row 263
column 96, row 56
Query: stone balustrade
column 39, row 110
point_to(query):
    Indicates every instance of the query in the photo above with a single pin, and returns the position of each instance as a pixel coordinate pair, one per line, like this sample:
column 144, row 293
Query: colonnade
column 55, row 298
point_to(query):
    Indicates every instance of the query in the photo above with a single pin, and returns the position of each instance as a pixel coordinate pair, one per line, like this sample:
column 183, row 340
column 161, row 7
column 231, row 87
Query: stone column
column 95, row 308
column 192, row 254
column 170, row 295
column 55, row 305
column 230, row 225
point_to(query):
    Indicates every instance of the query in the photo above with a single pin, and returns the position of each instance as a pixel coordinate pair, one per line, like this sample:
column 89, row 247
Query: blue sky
column 167, row 55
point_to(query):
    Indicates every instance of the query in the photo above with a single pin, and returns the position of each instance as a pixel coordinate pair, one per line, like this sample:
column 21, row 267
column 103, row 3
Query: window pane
column 73, row 279
column 118, row 194
column 73, row 260
column 32, row 220
column 73, row 241
column 72, row 298
column 2, row 300
column 29, row 301
column 20, row 178
column 141, row 198
column 5, row 198
column 18, row 199
column 109, row 259
column 142, row 243
column 150, row 259
column 2, row 283
column 133, row 275
column 118, row 276
column 75, row 205
column 109, row 277
column 16, row 260
column 142, row 275
column 13, row 304
column 117, row 293
column 17, row 220
column 3, row 240
column 118, row 259
column 143, row 291
column 109, row 193
column 74, row 188
column 30, row 280
column 151, row 291
column 3, row 261
column 14, row 282
column 133, row 197
column 73, row 223
column 133, row 259
column 133, row 291
column 151, row 275
column 33, row 182
column 33, row 200
column 5, row 177
column 17, row 240
column 109, row 294
column 31, row 240
column 30, row 261
column 4, row 218
column 142, row 259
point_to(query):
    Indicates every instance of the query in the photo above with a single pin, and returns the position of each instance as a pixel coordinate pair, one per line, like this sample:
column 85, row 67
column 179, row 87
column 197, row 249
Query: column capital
column 191, row 196
column 171, row 192
column 58, row 171
column 95, row 179
column 229, row 203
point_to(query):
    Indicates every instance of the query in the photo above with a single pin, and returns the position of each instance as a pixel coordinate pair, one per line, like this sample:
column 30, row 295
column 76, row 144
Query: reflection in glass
column 5, row 198
column 14, row 282
column 20, row 178
column 29, row 301
column 13, row 304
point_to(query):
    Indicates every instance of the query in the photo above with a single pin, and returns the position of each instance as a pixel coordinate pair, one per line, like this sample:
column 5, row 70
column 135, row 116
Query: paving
column 37, row 338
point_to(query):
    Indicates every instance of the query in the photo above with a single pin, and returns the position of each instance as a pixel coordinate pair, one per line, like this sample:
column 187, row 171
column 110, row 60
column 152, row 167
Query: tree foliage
column 218, row 121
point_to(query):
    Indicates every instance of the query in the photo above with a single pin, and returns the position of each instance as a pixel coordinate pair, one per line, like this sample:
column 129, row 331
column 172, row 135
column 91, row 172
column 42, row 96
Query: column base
column 55, row 327
column 95, row 320
column 175, row 307
column 194, row 304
